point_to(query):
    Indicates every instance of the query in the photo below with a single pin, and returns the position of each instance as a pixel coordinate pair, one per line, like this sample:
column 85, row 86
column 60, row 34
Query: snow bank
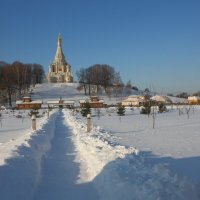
column 123, row 173
column 21, row 173
column 16, row 133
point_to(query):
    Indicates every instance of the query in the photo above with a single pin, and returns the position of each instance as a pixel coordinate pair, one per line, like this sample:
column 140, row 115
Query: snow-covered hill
column 65, row 91
column 56, row 91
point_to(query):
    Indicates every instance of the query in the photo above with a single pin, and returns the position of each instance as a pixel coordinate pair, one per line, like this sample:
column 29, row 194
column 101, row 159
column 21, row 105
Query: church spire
column 59, row 40
column 59, row 57
column 60, row 70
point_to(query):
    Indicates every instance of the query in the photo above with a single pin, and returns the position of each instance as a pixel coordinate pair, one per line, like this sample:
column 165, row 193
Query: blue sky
column 153, row 43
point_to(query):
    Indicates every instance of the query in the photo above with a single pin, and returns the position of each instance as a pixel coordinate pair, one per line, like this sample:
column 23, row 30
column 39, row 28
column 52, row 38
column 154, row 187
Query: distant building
column 59, row 70
column 163, row 99
column 193, row 100
column 133, row 101
column 61, row 103
column 94, row 102
column 27, row 103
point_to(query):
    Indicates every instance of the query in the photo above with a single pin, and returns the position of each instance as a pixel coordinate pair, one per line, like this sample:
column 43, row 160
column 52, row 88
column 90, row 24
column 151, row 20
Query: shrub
column 120, row 110
column 162, row 107
column 146, row 109
column 86, row 109
column 33, row 112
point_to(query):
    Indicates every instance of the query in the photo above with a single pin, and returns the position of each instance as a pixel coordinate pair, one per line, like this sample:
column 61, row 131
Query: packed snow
column 121, row 158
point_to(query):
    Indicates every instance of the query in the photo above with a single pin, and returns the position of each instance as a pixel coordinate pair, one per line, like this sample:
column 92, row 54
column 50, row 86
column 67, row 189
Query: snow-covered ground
column 120, row 172
column 174, row 141
column 118, row 159
column 15, row 130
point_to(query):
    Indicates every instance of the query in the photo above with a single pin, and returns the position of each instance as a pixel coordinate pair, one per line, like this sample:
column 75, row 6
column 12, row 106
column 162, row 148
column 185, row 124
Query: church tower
column 59, row 70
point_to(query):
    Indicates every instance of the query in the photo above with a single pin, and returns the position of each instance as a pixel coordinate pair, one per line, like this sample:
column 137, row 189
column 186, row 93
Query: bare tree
column 81, row 75
column 79, row 87
column 8, row 82
column 27, row 74
column 20, row 72
column 37, row 73
column 128, row 88
column 16, row 78
column 187, row 109
column 1, row 119
column 95, row 72
column 117, row 85
column 180, row 109
column 99, row 75
column 153, row 114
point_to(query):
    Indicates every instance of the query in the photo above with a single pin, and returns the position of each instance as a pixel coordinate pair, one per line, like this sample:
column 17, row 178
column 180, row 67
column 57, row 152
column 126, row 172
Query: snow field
column 175, row 139
column 123, row 173
column 173, row 134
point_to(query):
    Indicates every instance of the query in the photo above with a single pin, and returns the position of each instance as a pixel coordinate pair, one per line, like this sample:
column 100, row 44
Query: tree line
column 102, row 76
column 16, row 78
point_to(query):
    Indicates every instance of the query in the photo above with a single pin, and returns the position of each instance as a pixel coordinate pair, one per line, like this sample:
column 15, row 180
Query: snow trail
column 60, row 172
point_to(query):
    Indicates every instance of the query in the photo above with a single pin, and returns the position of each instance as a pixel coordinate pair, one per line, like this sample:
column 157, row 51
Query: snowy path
column 60, row 172
column 43, row 167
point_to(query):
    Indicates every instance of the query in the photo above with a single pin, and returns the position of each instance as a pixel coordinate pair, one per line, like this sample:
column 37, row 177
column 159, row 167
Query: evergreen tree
column 162, row 108
column 86, row 109
column 34, row 111
column 120, row 110
column 146, row 108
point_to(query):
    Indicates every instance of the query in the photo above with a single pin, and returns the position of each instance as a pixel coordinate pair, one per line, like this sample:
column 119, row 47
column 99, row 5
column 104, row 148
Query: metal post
column 33, row 121
column 88, row 122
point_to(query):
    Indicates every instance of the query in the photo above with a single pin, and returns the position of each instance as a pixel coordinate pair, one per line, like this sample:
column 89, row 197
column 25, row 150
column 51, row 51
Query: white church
column 59, row 70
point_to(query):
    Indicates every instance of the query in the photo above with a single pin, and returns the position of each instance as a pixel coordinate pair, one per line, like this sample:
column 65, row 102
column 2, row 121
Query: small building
column 94, row 102
column 194, row 100
column 133, row 101
column 53, row 103
column 61, row 103
column 27, row 103
column 162, row 99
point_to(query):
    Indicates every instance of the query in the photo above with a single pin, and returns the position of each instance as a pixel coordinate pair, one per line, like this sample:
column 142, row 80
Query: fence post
column 88, row 122
column 33, row 121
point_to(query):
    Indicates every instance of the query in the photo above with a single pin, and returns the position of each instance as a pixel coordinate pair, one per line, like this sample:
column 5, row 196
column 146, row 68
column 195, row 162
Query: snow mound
column 123, row 173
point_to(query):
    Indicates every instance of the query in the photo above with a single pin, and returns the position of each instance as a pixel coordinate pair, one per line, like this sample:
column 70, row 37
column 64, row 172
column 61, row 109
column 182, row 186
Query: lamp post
column 88, row 122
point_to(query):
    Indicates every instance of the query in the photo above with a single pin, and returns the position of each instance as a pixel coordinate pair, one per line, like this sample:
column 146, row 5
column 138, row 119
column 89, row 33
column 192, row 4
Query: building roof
column 32, row 102
column 161, row 99
column 59, row 56
column 193, row 98
column 68, row 102
column 134, row 99
column 53, row 102
column 82, row 101
column 86, row 100
column 60, row 102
